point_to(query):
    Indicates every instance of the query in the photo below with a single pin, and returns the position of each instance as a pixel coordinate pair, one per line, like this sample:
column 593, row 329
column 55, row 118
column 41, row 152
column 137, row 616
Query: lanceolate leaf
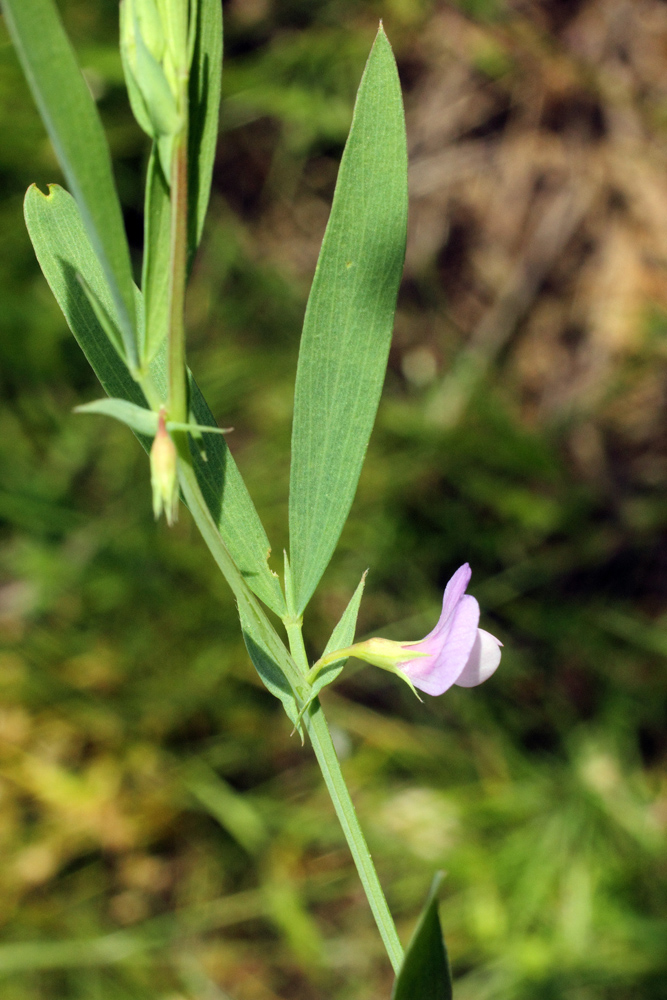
column 342, row 636
column 205, row 83
column 63, row 251
column 425, row 973
column 348, row 323
column 74, row 127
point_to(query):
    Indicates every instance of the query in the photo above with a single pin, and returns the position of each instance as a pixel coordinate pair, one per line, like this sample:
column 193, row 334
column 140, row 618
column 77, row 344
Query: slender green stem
column 314, row 719
column 320, row 737
column 295, row 638
column 178, row 399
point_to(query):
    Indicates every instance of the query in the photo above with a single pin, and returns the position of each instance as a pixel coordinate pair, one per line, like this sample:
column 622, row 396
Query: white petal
column 482, row 662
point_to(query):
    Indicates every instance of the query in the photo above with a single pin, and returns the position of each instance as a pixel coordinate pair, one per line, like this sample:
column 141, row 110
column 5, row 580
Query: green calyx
column 384, row 653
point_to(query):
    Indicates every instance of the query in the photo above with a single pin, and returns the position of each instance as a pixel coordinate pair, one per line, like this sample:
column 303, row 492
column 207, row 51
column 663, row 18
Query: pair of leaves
column 84, row 239
column 64, row 252
column 143, row 422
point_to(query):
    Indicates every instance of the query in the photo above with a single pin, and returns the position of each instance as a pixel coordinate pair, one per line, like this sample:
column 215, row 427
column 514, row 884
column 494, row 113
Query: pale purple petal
column 482, row 662
column 449, row 649
column 454, row 591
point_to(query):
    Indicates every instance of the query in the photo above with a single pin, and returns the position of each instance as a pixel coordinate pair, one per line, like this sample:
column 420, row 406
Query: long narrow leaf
column 63, row 251
column 73, row 124
column 205, row 84
column 348, row 323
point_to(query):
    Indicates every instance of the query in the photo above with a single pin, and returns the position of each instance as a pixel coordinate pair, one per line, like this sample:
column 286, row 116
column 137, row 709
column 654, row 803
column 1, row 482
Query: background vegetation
column 161, row 834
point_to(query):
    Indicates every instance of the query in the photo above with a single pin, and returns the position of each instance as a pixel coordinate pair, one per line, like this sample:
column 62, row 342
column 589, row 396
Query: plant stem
column 314, row 718
column 178, row 399
column 295, row 637
column 320, row 737
column 294, row 667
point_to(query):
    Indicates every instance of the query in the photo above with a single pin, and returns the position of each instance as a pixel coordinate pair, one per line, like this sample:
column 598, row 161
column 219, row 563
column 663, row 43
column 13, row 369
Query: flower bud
column 154, row 50
column 149, row 25
column 164, row 473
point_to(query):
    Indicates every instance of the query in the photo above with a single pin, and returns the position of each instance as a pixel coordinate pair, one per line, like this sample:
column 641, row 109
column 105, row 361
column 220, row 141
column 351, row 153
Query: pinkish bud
column 164, row 474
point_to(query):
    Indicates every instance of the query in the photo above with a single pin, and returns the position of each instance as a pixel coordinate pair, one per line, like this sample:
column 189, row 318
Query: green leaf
column 425, row 973
column 73, row 124
column 273, row 663
column 232, row 508
column 204, row 98
column 137, row 103
column 348, row 323
column 142, row 421
column 112, row 332
column 64, row 251
column 155, row 277
column 342, row 636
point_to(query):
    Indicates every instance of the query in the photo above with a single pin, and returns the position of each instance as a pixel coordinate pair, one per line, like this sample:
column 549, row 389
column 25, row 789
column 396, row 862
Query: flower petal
column 456, row 588
column 482, row 662
column 450, row 650
column 454, row 591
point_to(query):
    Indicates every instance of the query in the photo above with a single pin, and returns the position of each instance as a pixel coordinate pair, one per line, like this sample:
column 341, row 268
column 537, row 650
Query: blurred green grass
column 161, row 833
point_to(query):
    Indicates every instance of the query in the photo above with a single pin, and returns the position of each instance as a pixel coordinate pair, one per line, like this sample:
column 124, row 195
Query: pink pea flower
column 457, row 651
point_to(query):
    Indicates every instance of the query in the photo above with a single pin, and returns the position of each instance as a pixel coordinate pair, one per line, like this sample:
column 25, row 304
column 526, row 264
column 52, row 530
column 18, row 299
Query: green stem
column 294, row 667
column 314, row 719
column 295, row 638
column 320, row 737
column 178, row 397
